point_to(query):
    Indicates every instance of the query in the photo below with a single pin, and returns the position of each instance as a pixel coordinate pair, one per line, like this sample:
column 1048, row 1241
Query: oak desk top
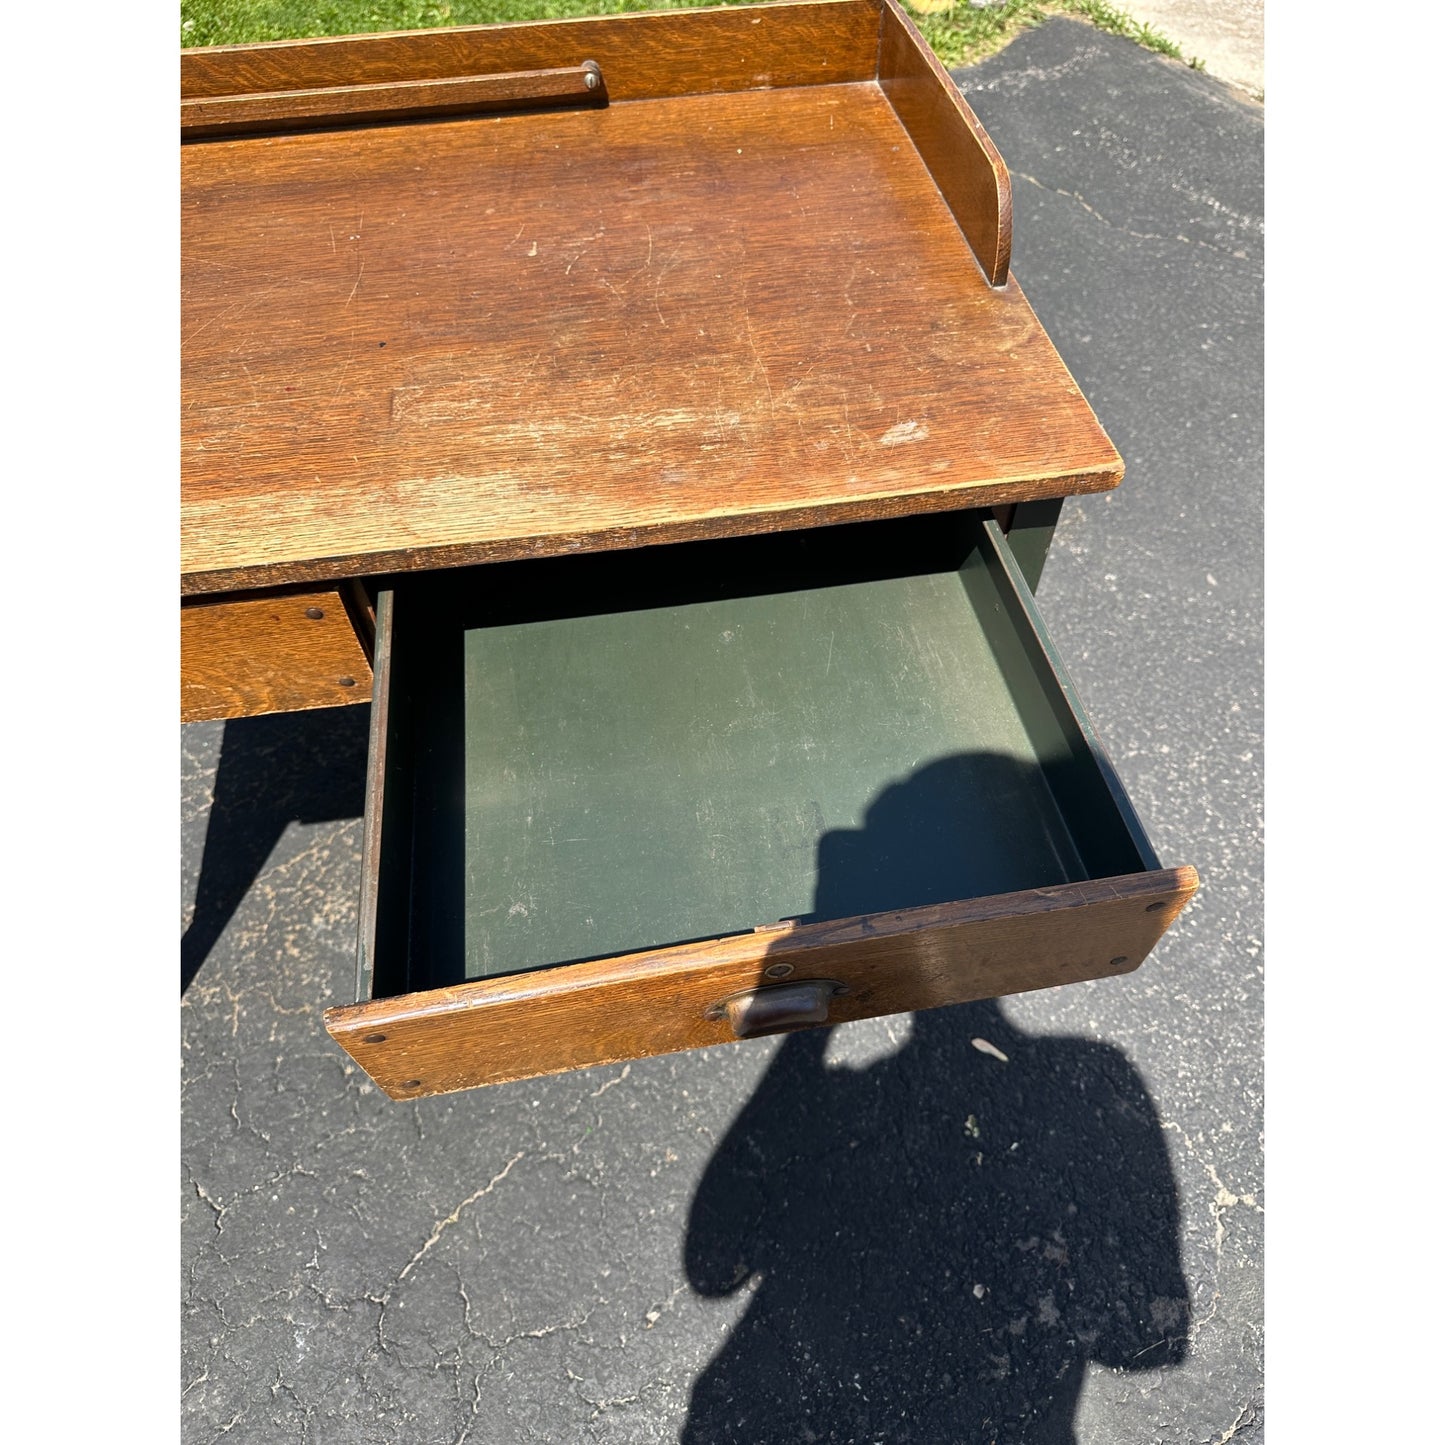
column 497, row 335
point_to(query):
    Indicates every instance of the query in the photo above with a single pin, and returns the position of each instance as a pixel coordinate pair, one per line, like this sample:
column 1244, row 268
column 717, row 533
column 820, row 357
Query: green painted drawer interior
column 605, row 754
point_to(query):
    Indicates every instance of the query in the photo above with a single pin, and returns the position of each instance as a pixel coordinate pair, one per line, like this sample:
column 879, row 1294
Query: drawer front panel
column 671, row 999
column 280, row 652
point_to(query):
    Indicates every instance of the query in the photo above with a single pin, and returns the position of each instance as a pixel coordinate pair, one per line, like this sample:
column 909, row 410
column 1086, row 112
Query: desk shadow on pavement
column 934, row 1246
column 301, row 767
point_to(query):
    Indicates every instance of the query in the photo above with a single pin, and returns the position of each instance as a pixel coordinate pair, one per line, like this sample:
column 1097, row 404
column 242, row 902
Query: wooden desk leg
column 1030, row 531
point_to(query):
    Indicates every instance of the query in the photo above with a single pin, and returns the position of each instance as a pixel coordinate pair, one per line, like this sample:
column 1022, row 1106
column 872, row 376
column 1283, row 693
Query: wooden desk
column 459, row 299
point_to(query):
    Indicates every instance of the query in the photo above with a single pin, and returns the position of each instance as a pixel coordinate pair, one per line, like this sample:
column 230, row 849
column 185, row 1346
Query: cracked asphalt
column 1038, row 1220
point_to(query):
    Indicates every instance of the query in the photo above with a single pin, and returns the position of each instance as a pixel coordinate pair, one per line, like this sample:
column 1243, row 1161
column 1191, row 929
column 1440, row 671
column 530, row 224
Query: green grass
column 959, row 33
column 962, row 35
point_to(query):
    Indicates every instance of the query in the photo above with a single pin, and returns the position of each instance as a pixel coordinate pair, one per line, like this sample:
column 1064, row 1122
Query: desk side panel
column 953, row 144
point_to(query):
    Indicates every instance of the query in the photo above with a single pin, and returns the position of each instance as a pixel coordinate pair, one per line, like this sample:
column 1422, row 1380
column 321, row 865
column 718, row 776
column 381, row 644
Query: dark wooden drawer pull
column 203, row 116
column 784, row 1006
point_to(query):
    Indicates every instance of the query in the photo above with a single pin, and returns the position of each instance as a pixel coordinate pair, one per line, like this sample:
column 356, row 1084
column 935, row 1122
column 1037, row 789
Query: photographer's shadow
column 935, row 1245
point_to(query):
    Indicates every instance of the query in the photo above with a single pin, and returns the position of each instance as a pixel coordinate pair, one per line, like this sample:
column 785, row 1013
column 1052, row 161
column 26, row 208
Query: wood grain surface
column 470, row 340
column 671, row 999
column 283, row 652
column 689, row 52
column 957, row 150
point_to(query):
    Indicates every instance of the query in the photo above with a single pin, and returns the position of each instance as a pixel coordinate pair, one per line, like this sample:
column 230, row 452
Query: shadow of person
column 304, row 767
column 936, row 1244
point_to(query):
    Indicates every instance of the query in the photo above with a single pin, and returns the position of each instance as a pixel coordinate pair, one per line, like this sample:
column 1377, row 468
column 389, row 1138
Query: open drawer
column 623, row 804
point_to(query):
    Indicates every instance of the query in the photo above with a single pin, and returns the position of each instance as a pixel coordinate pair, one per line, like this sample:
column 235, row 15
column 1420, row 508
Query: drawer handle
column 784, row 1006
column 260, row 111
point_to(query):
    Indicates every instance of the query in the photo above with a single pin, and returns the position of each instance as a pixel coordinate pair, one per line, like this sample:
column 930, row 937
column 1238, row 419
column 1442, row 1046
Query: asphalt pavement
column 886, row 1233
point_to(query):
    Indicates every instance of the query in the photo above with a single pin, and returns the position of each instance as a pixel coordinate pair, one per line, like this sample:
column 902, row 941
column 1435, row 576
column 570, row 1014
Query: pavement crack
column 1227, row 213
column 1239, row 1425
column 1124, row 230
column 467, row 1325
column 626, row 1069
column 1021, row 77
column 442, row 1225
column 1224, row 1197
column 438, row 1230
column 220, row 1209
column 655, row 1312
column 541, row 1332
column 472, row 1419
column 607, row 1402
